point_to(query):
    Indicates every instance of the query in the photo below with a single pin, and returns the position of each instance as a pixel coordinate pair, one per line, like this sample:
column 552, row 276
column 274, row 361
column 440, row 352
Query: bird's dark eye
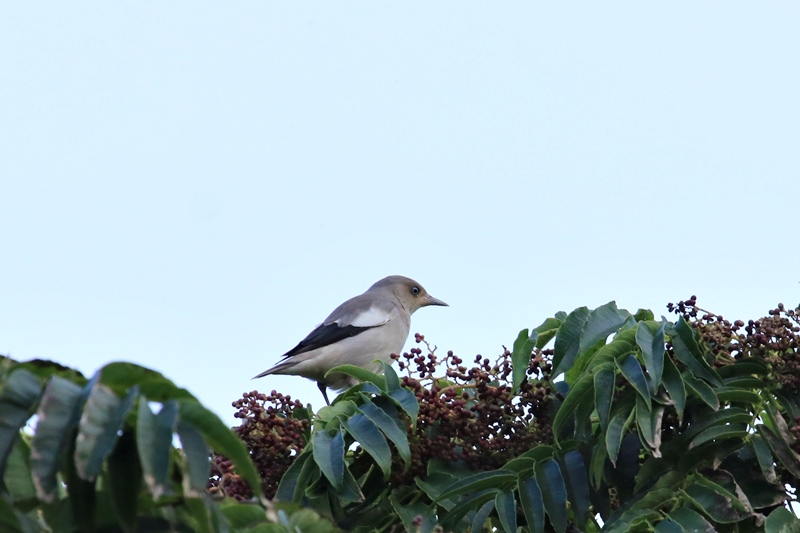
column 414, row 290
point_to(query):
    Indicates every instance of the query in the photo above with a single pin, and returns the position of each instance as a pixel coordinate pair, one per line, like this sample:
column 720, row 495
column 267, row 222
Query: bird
column 370, row 326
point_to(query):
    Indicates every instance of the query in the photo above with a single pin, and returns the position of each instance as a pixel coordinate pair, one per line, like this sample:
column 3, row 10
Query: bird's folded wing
column 346, row 323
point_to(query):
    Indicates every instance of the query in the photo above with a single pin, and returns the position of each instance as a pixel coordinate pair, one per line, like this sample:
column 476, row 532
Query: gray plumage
column 370, row 326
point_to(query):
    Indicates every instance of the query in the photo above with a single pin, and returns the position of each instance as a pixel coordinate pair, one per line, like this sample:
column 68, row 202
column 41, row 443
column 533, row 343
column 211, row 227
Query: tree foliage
column 99, row 456
column 596, row 419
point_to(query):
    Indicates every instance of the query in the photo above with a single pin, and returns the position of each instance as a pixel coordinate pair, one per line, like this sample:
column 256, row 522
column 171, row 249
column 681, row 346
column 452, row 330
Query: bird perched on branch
column 370, row 326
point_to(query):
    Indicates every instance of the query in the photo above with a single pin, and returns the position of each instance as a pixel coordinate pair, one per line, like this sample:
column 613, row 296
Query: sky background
column 193, row 186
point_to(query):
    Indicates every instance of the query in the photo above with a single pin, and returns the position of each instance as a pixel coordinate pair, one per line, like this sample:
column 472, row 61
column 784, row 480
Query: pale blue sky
column 192, row 187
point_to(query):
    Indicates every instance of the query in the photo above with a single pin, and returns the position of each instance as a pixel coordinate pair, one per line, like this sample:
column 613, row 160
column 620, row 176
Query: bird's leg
column 324, row 391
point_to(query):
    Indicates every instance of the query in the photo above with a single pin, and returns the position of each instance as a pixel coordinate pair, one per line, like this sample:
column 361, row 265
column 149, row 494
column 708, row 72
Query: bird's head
column 411, row 294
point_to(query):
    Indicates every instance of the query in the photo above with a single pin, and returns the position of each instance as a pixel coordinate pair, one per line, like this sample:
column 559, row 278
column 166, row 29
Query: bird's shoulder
column 352, row 318
column 363, row 311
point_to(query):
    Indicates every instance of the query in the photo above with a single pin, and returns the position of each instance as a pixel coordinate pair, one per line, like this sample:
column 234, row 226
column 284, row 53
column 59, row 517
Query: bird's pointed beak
column 430, row 300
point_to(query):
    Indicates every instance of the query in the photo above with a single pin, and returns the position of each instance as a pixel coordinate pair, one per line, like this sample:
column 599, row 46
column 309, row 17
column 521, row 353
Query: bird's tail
column 280, row 368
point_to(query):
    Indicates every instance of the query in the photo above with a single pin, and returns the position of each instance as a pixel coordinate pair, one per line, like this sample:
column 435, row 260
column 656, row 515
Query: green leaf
column 601, row 323
column 409, row 512
column 465, row 505
column 520, row 465
column 123, row 376
column 480, row 516
column 690, row 520
column 623, row 344
column 745, row 382
column 616, row 430
column 746, row 478
column 81, row 493
column 102, row 418
column 627, row 464
column 242, row 515
column 604, row 381
column 705, row 420
column 44, row 370
column 294, row 481
column 385, row 417
column 196, row 464
column 328, row 449
column 221, row 439
column 458, row 470
column 630, row 323
column 434, row 485
column 649, row 422
column 764, row 457
column 673, row 381
column 732, row 484
column 9, row 521
column 577, row 485
column 750, row 366
column 540, row 452
column 506, row 507
column 18, row 397
column 652, row 346
column 638, row 513
column 154, row 441
column 360, row 374
column 716, row 502
column 703, row 390
column 781, row 450
column 708, row 454
column 585, row 361
column 372, row 440
column 530, row 496
column 60, row 512
column 597, row 465
column 554, row 493
column 737, row 395
column 359, row 391
column 568, row 340
column 632, row 371
column 782, row 520
column 406, row 399
column 583, row 420
column 579, row 393
column 392, row 381
column 787, row 401
column 17, row 474
column 668, row 526
column 521, row 356
column 56, row 413
column 492, row 479
column 731, row 431
column 125, row 479
column 773, row 418
column 685, row 343
column 546, row 331
column 198, row 515
column 306, row 521
column 341, row 408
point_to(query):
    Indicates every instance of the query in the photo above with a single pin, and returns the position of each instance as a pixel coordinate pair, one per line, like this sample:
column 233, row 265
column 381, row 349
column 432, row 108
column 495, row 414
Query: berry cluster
column 473, row 414
column 719, row 334
column 774, row 338
column 468, row 413
column 273, row 434
column 795, row 432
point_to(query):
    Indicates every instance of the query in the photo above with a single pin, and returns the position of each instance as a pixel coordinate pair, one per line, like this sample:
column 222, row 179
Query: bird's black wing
column 323, row 335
